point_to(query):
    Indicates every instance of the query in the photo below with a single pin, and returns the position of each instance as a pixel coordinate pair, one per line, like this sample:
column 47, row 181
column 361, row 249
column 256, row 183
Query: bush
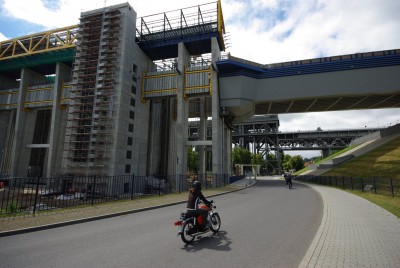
column 12, row 208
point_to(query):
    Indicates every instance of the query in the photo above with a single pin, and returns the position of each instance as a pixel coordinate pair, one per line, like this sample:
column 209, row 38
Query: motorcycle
column 189, row 226
column 288, row 180
column 289, row 184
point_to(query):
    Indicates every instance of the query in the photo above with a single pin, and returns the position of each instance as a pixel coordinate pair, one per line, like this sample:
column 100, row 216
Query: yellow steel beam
column 39, row 42
column 160, row 91
column 221, row 24
column 159, row 75
column 155, row 91
column 209, row 86
column 39, row 89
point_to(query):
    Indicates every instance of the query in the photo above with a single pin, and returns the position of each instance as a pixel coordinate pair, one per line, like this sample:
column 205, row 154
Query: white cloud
column 3, row 37
column 271, row 4
column 314, row 28
column 52, row 15
column 340, row 120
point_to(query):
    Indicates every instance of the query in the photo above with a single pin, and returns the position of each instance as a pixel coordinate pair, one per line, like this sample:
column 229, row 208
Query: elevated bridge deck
column 357, row 81
column 262, row 135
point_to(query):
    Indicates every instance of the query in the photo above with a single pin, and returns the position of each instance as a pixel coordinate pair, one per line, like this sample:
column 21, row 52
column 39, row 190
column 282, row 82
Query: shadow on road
column 218, row 242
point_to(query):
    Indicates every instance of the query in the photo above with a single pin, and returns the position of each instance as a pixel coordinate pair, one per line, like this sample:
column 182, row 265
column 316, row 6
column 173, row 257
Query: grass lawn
column 382, row 162
column 391, row 204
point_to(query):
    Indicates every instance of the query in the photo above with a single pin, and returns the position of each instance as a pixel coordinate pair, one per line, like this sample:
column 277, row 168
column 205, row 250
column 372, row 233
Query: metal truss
column 57, row 39
column 263, row 143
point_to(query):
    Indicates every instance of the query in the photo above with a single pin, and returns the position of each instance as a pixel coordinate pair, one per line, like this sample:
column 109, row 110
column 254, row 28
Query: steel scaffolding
column 90, row 113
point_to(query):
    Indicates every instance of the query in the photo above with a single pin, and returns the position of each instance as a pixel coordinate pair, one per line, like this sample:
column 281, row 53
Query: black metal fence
column 30, row 195
column 382, row 186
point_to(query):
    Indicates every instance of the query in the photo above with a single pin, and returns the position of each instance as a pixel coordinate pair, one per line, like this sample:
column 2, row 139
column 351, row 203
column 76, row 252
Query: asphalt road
column 266, row 225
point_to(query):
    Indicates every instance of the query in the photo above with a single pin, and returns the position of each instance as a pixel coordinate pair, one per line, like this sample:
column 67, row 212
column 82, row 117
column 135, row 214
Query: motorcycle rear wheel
column 185, row 233
column 215, row 223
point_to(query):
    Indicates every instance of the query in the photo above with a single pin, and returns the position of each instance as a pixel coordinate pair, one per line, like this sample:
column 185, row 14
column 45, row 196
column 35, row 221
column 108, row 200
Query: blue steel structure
column 159, row 35
column 233, row 67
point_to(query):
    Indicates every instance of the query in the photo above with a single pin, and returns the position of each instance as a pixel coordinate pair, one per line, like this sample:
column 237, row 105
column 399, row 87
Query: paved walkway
column 353, row 233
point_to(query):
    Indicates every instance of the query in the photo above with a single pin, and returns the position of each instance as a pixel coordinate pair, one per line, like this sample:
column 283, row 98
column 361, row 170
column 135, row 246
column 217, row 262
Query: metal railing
column 382, row 186
column 19, row 196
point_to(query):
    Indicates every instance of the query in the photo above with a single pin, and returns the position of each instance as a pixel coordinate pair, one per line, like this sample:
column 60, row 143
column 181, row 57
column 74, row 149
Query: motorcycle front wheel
column 186, row 236
column 215, row 223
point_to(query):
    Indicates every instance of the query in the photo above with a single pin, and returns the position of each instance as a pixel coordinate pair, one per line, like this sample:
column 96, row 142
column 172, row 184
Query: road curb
column 105, row 216
column 318, row 238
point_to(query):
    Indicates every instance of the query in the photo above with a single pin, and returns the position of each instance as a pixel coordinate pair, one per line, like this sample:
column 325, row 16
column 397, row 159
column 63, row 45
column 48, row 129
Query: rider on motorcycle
column 288, row 179
column 195, row 195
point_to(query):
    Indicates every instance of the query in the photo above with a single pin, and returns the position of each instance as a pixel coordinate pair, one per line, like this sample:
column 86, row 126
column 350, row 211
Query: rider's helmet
column 197, row 186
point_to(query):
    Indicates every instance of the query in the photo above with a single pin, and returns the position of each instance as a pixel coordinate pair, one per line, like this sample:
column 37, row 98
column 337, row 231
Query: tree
column 241, row 156
column 296, row 162
column 285, row 160
column 192, row 160
column 256, row 159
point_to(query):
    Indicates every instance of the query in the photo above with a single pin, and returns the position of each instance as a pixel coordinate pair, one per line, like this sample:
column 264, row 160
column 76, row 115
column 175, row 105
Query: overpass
column 345, row 82
column 261, row 135
column 114, row 94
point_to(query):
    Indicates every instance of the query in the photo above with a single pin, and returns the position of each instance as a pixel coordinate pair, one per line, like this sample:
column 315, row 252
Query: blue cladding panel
column 229, row 68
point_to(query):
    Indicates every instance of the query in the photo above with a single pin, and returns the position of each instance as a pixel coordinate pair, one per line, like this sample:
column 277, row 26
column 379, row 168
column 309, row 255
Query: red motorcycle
column 190, row 226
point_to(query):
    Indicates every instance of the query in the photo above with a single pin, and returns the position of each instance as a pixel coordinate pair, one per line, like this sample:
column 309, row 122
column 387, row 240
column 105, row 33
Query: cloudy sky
column 264, row 31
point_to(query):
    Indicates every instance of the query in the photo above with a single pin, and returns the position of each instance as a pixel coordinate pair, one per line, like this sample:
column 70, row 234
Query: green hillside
column 382, row 162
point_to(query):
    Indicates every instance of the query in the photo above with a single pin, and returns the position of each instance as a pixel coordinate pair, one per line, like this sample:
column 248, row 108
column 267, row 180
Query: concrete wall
column 366, row 138
column 24, row 126
column 122, row 93
column 6, row 138
column 393, row 130
column 7, row 125
column 142, row 117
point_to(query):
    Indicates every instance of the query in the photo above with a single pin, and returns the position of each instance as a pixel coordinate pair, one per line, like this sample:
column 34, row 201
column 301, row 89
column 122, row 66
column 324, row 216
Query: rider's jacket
column 194, row 198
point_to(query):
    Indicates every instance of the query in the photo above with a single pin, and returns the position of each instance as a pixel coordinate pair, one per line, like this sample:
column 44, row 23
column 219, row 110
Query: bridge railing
column 172, row 24
column 36, row 96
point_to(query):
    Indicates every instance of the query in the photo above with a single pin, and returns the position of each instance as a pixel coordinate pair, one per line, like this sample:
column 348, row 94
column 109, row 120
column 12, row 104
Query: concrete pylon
column 24, row 127
column 203, row 137
column 58, row 122
column 217, row 122
column 182, row 114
